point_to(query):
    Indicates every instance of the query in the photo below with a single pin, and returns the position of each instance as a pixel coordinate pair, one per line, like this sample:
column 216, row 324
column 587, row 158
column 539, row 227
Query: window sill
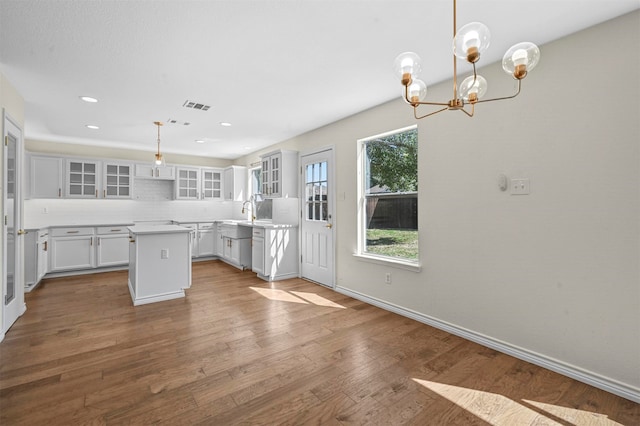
column 396, row 263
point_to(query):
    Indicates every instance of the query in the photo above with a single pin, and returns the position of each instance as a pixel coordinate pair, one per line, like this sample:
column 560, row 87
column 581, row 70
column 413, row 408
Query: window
column 389, row 196
column 316, row 189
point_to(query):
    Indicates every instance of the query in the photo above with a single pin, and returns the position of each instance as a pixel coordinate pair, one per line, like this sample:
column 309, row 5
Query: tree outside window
column 391, row 195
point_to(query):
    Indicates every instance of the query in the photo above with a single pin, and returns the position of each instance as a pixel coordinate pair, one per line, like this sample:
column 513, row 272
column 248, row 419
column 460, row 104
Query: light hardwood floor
column 238, row 350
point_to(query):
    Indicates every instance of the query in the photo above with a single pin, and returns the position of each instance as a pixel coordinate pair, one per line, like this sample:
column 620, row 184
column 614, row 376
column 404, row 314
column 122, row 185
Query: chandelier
column 159, row 160
column 468, row 44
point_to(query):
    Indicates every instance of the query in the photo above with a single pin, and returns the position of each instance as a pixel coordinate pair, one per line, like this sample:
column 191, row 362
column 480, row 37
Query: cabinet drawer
column 258, row 232
column 191, row 226
column 69, row 232
column 111, row 230
column 209, row 225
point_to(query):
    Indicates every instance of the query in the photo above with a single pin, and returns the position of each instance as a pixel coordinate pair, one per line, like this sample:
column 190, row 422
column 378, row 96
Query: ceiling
column 274, row 69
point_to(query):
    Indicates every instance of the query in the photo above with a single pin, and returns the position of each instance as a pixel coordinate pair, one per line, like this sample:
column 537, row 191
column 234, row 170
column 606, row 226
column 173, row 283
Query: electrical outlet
column 45, row 210
column 387, row 278
column 164, row 254
column 520, row 187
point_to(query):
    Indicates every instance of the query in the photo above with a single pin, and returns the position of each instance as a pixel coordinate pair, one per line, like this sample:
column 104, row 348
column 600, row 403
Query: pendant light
column 468, row 44
column 159, row 160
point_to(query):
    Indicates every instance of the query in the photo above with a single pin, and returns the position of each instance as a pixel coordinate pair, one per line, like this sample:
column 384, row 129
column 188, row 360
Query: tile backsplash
column 54, row 212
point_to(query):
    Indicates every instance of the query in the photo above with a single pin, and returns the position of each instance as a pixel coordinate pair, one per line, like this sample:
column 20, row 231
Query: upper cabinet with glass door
column 280, row 174
column 98, row 179
column 211, row 184
column 82, row 178
column 117, row 180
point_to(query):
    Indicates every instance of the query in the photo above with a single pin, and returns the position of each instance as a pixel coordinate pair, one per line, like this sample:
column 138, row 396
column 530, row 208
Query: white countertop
column 157, row 229
column 155, row 224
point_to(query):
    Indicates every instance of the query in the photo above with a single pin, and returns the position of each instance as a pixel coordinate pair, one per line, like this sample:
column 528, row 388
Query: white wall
column 555, row 274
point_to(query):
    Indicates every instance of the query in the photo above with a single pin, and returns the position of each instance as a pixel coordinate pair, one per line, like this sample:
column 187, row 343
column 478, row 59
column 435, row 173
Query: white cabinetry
column 150, row 171
column 117, row 179
column 160, row 263
column 236, row 245
column 198, row 183
column 188, row 183
column 280, row 174
column 206, row 239
column 112, row 246
column 72, row 248
column 85, row 247
column 82, row 178
column 275, row 252
column 36, row 259
column 45, row 177
column 211, row 184
column 235, row 182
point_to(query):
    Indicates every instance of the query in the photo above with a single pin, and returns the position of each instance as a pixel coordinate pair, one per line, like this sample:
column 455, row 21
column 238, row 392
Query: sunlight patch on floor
column 316, row 299
column 295, row 297
column 280, row 295
column 499, row 410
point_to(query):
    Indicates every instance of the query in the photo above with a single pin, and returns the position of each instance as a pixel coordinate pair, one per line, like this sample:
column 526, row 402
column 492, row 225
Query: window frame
column 361, row 253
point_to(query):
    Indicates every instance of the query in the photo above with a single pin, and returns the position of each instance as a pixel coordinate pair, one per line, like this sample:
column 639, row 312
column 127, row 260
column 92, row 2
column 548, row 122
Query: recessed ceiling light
column 199, row 141
column 92, row 127
column 225, row 124
column 89, row 99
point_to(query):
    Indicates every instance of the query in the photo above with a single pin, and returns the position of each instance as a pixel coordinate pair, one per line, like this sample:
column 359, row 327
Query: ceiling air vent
column 172, row 121
column 195, row 105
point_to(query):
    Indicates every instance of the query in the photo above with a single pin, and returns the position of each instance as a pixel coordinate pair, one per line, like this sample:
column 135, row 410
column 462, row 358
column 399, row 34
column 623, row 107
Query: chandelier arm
column 473, row 110
column 504, row 97
column 430, row 103
column 415, row 110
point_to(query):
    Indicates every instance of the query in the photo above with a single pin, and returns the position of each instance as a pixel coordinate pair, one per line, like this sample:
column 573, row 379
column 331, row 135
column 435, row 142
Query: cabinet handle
column 99, row 240
column 104, row 193
column 72, row 232
column 131, row 240
column 59, row 192
column 96, row 193
column 151, row 172
column 157, row 172
column 116, row 230
column 46, row 244
column 91, row 243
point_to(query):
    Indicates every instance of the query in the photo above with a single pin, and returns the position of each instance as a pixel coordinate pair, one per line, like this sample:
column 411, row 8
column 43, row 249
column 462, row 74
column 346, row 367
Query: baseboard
column 615, row 387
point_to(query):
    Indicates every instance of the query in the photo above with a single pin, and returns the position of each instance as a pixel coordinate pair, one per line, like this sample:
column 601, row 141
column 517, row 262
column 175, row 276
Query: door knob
column 329, row 225
column 22, row 232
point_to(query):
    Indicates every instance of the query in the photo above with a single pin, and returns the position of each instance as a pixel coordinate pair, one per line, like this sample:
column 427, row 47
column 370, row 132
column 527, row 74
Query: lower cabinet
column 275, row 253
column 88, row 247
column 112, row 246
column 236, row 245
column 72, row 248
column 36, row 257
column 203, row 240
column 207, row 240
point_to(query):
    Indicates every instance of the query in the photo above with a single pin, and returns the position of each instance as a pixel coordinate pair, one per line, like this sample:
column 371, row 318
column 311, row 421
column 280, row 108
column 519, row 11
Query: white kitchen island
column 159, row 262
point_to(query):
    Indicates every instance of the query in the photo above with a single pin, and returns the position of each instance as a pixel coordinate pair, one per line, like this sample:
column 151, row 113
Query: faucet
column 251, row 203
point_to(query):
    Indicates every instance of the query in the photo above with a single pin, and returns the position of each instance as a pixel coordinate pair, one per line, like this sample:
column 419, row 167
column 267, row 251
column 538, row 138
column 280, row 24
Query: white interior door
column 12, row 281
column 318, row 213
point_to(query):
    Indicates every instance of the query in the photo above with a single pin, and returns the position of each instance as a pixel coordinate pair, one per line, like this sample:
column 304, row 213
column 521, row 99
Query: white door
column 13, row 279
column 318, row 213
